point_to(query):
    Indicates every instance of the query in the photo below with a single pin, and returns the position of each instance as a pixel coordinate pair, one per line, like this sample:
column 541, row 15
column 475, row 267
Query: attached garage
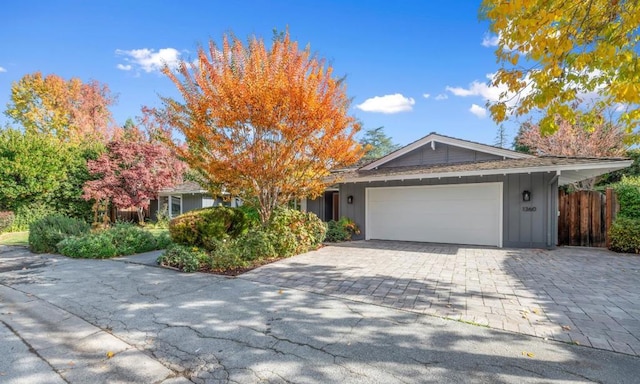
column 440, row 189
column 457, row 214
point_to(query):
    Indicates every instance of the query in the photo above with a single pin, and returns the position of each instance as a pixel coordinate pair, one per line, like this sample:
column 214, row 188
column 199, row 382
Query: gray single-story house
column 445, row 190
column 186, row 197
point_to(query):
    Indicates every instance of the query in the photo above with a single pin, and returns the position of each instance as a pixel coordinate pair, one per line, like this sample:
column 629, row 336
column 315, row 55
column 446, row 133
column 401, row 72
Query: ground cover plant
column 119, row 240
column 231, row 240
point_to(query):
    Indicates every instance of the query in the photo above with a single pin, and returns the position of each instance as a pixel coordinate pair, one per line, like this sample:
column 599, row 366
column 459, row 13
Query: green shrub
column 47, row 232
column 6, row 220
column 295, row 232
column 184, row 258
column 91, row 246
column 256, row 245
column 624, row 235
column 628, row 195
column 129, row 239
column 206, row 226
column 163, row 240
column 251, row 213
column 25, row 215
column 226, row 255
column 341, row 230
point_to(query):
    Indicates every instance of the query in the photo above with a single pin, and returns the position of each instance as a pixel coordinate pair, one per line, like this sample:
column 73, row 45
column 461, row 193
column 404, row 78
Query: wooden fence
column 585, row 217
column 129, row 214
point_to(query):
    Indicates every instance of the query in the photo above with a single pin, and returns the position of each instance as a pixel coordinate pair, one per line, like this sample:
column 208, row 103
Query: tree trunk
column 140, row 215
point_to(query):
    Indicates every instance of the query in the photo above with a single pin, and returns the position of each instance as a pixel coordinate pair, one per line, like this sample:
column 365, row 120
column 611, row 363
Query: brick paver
column 578, row 295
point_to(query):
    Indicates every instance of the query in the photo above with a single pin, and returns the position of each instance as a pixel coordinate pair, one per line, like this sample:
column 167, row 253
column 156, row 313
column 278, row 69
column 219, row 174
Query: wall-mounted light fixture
column 526, row 196
column 350, row 199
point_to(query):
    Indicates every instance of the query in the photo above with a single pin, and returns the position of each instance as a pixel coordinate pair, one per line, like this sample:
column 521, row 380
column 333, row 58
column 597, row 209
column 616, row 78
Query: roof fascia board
column 486, row 172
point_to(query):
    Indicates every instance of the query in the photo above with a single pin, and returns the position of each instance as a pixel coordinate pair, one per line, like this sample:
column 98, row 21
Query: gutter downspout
column 552, row 213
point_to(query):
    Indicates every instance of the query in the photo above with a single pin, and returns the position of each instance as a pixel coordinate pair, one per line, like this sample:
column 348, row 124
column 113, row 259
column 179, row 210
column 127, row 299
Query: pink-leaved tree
column 590, row 136
column 132, row 171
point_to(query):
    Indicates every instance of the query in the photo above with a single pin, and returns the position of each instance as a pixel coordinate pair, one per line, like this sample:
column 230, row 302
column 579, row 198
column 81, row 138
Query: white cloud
column 150, row 60
column 478, row 111
column 442, row 96
column 490, row 40
column 476, row 88
column 2, row 70
column 387, row 104
column 426, row 95
column 124, row 67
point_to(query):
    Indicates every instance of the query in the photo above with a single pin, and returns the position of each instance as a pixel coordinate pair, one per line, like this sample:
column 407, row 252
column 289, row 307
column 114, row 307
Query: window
column 176, row 205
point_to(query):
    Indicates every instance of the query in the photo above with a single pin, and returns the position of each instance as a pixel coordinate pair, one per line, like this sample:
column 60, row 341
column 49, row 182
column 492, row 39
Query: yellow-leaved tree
column 556, row 52
column 71, row 110
column 265, row 124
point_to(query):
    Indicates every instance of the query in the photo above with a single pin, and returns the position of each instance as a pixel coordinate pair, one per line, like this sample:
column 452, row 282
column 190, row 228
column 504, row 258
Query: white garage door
column 458, row 214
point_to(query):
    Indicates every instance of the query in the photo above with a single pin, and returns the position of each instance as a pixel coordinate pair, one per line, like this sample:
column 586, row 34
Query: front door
column 335, row 203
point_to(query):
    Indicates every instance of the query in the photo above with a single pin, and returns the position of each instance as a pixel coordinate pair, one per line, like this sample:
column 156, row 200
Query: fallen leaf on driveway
column 528, row 354
column 566, row 327
column 109, row 355
column 71, row 363
column 280, row 291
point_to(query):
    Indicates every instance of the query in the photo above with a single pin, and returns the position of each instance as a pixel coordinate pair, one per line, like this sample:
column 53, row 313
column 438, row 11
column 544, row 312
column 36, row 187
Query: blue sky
column 413, row 67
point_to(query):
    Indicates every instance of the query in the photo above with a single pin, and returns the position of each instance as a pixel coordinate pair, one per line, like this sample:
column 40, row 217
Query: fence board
column 585, row 217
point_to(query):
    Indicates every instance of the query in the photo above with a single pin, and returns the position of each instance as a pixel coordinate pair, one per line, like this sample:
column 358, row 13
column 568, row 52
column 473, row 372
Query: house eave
column 568, row 172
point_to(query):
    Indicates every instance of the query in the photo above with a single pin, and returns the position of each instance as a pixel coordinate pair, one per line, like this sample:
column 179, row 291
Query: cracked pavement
column 59, row 318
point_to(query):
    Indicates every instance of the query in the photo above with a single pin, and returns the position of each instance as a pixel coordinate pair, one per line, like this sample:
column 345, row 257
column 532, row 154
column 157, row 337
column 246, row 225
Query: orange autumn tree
column 265, row 124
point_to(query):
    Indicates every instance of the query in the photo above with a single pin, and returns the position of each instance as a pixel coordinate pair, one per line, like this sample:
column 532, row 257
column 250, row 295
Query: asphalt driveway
column 124, row 321
column 584, row 296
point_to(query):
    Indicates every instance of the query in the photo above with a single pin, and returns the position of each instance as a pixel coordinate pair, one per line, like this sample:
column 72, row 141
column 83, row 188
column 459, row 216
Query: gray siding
column 520, row 228
column 316, row 206
column 191, row 202
column 443, row 154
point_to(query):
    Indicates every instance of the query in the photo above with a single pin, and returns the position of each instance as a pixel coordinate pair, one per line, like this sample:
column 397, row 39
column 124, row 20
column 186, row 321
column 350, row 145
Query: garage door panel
column 461, row 213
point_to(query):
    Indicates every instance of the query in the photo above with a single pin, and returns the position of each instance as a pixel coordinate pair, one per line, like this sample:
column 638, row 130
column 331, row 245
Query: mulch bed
column 241, row 270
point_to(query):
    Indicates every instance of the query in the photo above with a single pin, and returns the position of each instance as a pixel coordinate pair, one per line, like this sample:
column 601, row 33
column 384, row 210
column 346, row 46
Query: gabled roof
column 568, row 169
column 433, row 137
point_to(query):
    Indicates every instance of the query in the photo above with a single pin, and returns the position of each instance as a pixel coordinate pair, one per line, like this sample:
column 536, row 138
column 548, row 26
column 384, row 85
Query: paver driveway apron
column 583, row 296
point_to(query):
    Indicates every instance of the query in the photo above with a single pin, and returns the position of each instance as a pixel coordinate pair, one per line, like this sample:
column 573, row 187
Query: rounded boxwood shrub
column 203, row 227
column 46, row 233
column 624, row 235
column 129, row 239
